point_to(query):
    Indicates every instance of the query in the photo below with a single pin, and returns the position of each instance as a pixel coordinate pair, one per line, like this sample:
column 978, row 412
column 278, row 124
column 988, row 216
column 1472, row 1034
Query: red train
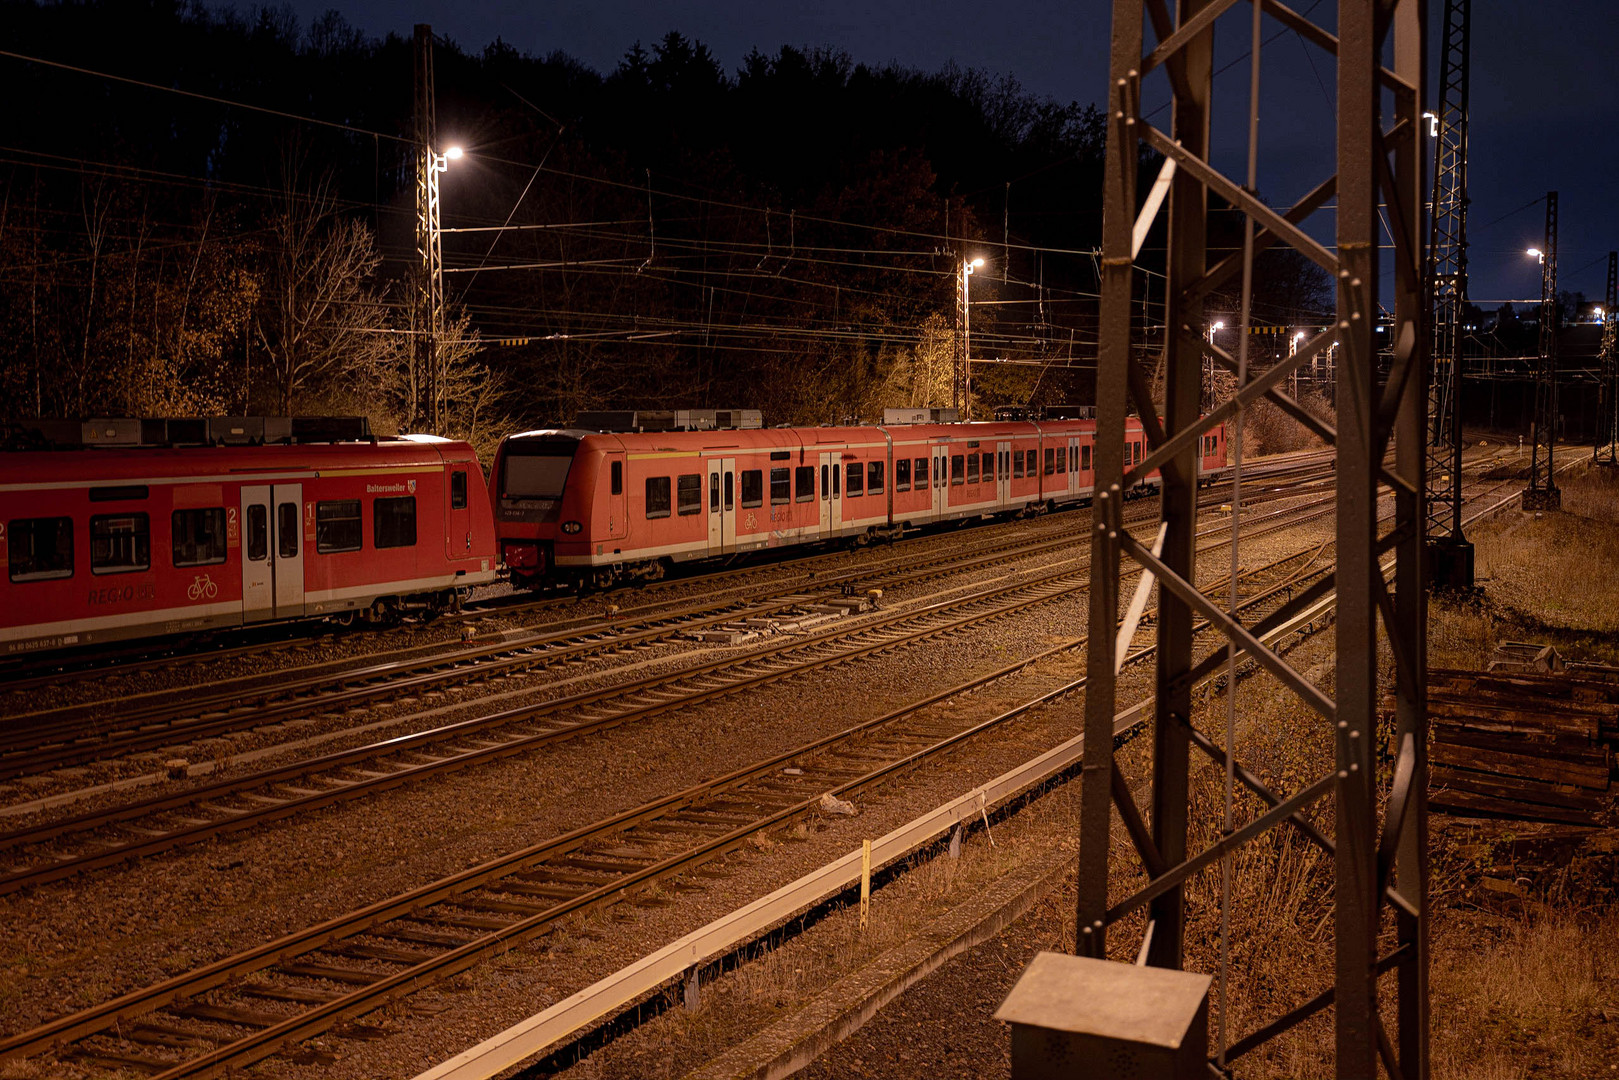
column 576, row 505
column 159, row 537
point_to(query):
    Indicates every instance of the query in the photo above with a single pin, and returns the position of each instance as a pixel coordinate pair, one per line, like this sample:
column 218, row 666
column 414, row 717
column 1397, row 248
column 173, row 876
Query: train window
column 458, row 489
column 1085, row 458
column 1062, row 459
column 393, row 522
column 921, row 471
column 40, row 548
column 837, row 481
column 657, row 496
column 854, row 478
column 615, row 472
column 1017, row 464
column 730, row 483
column 989, row 467
column 118, row 494
column 826, row 488
column 689, row 494
column 258, row 533
column 120, row 543
column 337, row 526
column 874, row 477
column 902, row 474
column 1073, row 458
column 1029, row 460
column 713, row 493
column 972, row 468
column 753, row 487
column 1137, row 460
column 199, row 536
column 804, row 483
column 958, row 470
column 781, row 486
column 1051, row 461
column 286, row 529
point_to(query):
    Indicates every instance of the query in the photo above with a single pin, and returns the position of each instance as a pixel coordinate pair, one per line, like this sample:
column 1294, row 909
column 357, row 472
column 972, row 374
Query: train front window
column 120, row 543
column 39, row 549
column 536, row 470
column 199, row 536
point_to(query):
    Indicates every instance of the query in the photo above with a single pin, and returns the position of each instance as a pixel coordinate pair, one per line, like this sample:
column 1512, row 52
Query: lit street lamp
column 964, row 402
column 430, row 249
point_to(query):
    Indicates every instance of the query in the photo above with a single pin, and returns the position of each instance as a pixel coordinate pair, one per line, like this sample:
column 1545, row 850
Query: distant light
column 1433, row 123
column 1599, row 313
column 453, row 153
column 1299, row 336
column 977, row 263
column 1536, row 252
column 1219, row 326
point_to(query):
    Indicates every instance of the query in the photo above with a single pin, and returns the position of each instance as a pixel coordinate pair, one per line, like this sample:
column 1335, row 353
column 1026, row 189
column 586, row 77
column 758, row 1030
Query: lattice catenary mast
column 1378, row 843
column 1542, row 492
column 1607, row 446
column 427, row 314
column 1450, row 555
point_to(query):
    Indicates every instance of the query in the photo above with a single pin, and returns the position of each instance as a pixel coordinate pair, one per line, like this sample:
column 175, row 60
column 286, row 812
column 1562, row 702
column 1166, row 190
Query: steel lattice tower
column 1542, row 492
column 1378, row 846
column 1450, row 555
column 428, row 311
column 1607, row 447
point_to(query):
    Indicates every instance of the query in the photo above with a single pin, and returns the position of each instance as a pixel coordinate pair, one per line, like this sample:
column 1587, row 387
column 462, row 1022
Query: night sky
column 1544, row 95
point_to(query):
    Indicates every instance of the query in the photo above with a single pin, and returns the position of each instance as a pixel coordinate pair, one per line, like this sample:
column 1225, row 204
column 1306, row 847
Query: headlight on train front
column 571, row 527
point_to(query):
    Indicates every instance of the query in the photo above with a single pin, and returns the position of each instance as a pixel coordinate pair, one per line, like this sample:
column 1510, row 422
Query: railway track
column 123, row 660
column 139, row 829
column 37, row 742
column 265, row 999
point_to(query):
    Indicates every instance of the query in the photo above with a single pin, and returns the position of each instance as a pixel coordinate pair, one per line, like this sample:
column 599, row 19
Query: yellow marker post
column 865, row 881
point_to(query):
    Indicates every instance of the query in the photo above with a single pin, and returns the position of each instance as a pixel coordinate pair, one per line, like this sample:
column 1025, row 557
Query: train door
column 721, row 505
column 457, row 510
column 831, row 493
column 941, row 480
column 272, row 551
column 618, row 512
column 1071, row 448
column 1003, row 473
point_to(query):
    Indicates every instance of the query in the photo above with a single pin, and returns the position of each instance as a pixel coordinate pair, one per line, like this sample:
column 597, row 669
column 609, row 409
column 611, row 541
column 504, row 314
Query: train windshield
column 536, row 470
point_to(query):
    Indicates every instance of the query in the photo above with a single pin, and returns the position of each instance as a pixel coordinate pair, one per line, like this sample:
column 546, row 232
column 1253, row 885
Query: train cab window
column 753, row 487
column 826, row 488
column 657, row 497
column 258, row 533
column 902, row 474
column 120, row 543
column 958, row 470
column 921, row 472
column 1017, row 464
column 393, row 522
column 713, row 493
column 989, row 467
column 972, row 468
column 458, row 489
column 286, row 529
column 337, row 527
column 1030, row 459
column 689, row 494
column 804, row 483
column 781, row 486
column 1085, row 459
column 615, row 473
column 199, row 536
column 854, row 479
column 1062, row 459
column 874, row 477
column 39, row 549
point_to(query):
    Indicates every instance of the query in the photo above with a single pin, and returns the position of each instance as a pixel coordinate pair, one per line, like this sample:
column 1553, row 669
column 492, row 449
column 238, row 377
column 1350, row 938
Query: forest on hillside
column 213, row 212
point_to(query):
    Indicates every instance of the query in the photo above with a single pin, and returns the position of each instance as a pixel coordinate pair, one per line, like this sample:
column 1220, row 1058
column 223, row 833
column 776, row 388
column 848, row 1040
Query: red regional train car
column 103, row 544
column 577, row 505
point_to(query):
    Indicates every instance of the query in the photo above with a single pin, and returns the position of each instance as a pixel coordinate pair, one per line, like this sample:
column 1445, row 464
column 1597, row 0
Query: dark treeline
column 787, row 236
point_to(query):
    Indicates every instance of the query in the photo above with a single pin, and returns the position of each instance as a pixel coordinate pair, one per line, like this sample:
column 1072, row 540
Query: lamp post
column 964, row 402
column 1542, row 492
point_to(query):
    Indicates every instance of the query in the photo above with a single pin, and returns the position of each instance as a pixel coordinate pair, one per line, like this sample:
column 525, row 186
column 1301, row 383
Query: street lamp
column 1537, row 253
column 965, row 384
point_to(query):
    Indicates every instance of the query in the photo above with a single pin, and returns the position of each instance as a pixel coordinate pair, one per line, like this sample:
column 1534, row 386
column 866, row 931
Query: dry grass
column 1591, row 492
column 1536, row 998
